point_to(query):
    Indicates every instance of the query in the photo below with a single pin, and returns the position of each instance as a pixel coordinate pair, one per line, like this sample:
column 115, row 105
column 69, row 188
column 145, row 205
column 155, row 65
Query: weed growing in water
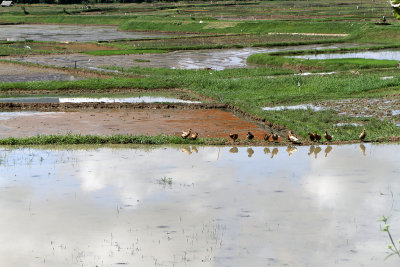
column 392, row 247
column 165, row 181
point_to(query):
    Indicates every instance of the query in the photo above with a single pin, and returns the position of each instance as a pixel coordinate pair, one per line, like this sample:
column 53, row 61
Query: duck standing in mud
column 233, row 136
column 249, row 136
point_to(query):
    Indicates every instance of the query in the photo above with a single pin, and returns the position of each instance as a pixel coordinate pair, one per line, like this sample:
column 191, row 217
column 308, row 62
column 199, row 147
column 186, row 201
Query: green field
column 225, row 24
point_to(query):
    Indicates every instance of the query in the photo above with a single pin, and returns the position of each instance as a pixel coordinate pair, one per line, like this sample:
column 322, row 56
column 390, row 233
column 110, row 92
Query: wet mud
column 207, row 122
column 387, row 108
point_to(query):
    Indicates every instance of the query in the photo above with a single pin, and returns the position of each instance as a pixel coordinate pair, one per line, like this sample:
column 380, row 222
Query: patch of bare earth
column 207, row 122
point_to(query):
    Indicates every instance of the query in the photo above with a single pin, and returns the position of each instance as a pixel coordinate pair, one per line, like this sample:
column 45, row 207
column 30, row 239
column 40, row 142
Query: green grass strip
column 73, row 139
column 96, row 84
column 337, row 64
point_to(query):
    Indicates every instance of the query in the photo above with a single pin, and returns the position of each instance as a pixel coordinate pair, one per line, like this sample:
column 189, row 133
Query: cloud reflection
column 106, row 206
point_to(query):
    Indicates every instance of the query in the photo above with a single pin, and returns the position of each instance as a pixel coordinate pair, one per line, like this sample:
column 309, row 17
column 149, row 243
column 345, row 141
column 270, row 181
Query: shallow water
column 19, row 73
column 69, row 33
column 199, row 206
column 140, row 99
column 303, row 107
column 215, row 59
column 7, row 115
column 381, row 54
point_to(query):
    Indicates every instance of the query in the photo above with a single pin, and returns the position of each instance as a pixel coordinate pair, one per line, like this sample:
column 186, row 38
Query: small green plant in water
column 392, row 247
column 165, row 181
column 141, row 60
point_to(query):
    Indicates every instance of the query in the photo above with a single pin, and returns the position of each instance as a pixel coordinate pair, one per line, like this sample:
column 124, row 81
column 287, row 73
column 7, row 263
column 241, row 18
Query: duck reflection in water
column 250, row 152
column 186, row 149
column 316, row 151
column 327, row 150
column 291, row 150
column 274, row 152
column 312, row 148
column 194, row 149
column 266, row 150
column 234, row 150
column 362, row 148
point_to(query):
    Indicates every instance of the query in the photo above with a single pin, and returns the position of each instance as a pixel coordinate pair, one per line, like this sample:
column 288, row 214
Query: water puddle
column 215, row 59
column 315, row 73
column 383, row 108
column 17, row 73
column 382, row 54
column 69, row 33
column 199, row 206
column 343, row 124
column 140, row 99
column 12, row 115
column 303, row 106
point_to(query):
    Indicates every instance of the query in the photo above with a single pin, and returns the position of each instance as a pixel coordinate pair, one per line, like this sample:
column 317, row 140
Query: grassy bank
column 252, row 89
column 72, row 139
column 96, row 85
column 320, row 65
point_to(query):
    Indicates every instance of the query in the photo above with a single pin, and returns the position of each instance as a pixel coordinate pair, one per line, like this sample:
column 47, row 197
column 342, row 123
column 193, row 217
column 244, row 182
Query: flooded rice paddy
column 381, row 54
column 383, row 108
column 16, row 73
column 216, row 59
column 199, row 206
column 69, row 33
column 140, row 99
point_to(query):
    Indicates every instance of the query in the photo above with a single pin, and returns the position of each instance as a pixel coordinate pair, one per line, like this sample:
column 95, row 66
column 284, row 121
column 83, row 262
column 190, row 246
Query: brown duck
column 328, row 136
column 249, row 135
column 266, row 137
column 317, row 137
column 275, row 137
column 234, row 136
column 193, row 136
column 186, row 134
column 362, row 135
column 312, row 138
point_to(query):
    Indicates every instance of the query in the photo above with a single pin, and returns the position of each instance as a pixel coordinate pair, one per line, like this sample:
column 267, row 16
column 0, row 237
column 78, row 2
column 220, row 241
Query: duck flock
column 314, row 137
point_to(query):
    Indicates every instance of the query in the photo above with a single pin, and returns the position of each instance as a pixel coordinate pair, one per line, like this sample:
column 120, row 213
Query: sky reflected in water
column 198, row 206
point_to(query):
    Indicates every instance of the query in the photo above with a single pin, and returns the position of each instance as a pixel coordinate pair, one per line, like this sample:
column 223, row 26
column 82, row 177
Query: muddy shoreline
column 211, row 120
column 152, row 106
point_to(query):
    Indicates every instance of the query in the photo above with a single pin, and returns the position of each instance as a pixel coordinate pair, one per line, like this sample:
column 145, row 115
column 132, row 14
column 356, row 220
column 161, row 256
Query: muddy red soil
column 208, row 123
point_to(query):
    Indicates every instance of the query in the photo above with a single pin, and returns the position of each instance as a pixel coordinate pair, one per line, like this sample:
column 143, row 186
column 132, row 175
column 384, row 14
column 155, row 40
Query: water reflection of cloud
column 221, row 209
